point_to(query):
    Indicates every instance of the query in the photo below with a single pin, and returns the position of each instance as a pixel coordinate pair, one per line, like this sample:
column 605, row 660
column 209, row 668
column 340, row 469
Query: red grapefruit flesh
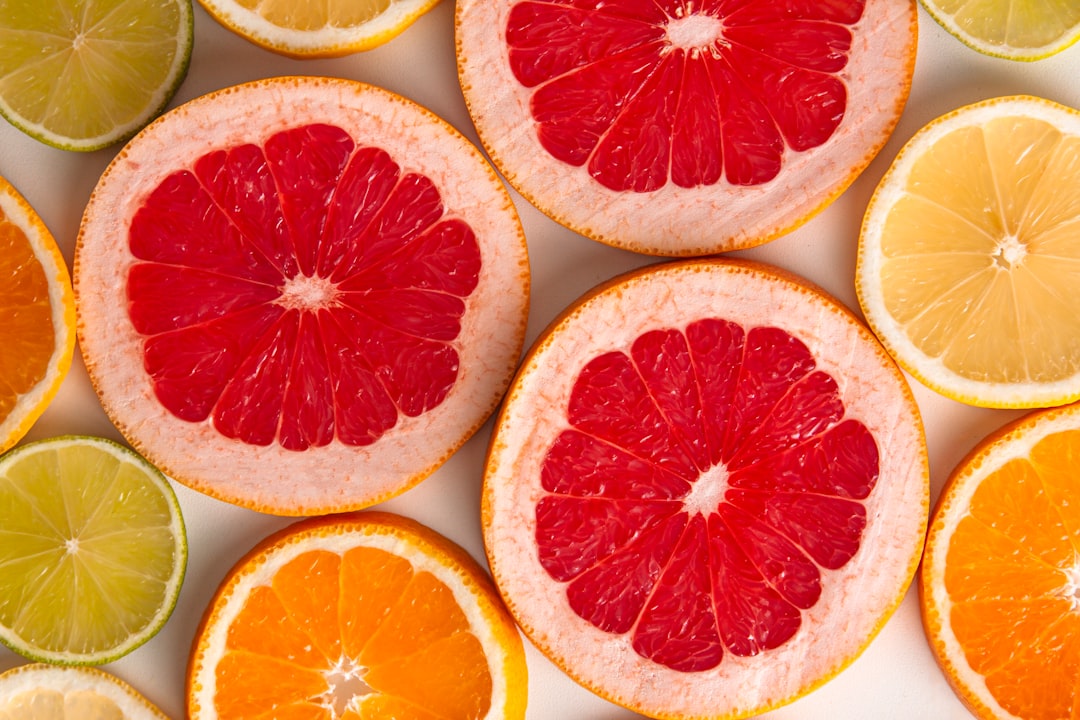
column 671, row 118
column 707, row 490
column 300, row 294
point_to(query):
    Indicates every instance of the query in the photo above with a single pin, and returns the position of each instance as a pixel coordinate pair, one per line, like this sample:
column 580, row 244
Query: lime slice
column 92, row 550
column 84, row 74
column 1029, row 30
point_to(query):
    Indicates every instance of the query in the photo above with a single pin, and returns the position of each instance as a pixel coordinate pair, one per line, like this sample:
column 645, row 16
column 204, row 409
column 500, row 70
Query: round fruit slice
column 48, row 692
column 680, row 127
column 373, row 616
column 1029, row 30
column 710, row 477
column 300, row 295
column 84, row 74
column 331, row 28
column 1000, row 580
column 93, row 549
column 968, row 257
column 37, row 317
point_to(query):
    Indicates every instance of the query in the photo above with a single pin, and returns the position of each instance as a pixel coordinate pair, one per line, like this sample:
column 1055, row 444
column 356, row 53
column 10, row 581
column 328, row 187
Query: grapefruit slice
column 374, row 616
column 706, row 491
column 679, row 127
column 300, row 295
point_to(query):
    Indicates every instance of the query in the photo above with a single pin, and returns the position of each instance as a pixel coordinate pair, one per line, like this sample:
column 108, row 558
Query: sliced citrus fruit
column 37, row 316
column 93, row 550
column 49, row 692
column 85, row 74
column 308, row 304
column 706, row 491
column 1028, row 30
column 373, row 616
column 1000, row 581
column 968, row 256
column 680, row 127
column 328, row 28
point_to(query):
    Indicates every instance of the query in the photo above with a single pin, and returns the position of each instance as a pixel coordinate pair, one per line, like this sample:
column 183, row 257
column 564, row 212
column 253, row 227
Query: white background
column 895, row 678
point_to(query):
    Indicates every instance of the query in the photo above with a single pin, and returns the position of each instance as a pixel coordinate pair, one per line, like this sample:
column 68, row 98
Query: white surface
column 896, row 678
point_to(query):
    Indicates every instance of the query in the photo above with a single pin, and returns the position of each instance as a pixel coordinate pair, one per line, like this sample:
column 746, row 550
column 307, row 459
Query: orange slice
column 706, row 491
column 681, row 127
column 48, row 692
column 37, row 316
column 1000, row 581
column 372, row 616
column 300, row 295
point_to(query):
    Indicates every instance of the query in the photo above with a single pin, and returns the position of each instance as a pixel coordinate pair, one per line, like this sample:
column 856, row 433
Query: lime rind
column 32, row 72
column 1001, row 48
column 34, row 605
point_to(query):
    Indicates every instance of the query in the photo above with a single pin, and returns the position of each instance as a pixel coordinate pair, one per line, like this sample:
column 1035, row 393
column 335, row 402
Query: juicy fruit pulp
column 665, row 502
column 324, row 264
column 644, row 93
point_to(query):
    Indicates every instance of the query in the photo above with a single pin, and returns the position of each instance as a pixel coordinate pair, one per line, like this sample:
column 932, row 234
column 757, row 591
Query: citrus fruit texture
column 85, row 74
column 1000, row 578
column 1029, row 30
column 329, row 28
column 48, row 692
column 684, row 128
column 968, row 258
column 93, row 548
column 373, row 616
column 300, row 295
column 37, row 316
column 706, row 491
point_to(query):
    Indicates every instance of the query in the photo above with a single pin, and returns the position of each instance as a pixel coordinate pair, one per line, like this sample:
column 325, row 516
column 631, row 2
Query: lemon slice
column 1027, row 30
column 969, row 257
column 48, row 692
column 92, row 547
column 85, row 74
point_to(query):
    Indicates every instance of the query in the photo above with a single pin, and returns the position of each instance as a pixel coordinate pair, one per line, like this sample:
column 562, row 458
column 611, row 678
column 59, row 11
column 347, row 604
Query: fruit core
column 706, row 482
column 1010, row 252
column 346, row 684
column 697, row 31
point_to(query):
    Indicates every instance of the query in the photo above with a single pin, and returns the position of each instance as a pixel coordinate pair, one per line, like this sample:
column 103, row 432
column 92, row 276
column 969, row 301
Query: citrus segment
column 93, row 550
column 376, row 616
column 37, row 317
column 342, row 288
column 328, row 28
column 999, row 580
column 967, row 257
column 85, row 74
column 670, row 115
column 47, row 692
column 691, row 476
column 1015, row 30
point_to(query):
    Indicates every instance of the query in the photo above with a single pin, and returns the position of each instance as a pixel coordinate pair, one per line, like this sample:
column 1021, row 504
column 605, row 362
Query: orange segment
column 1000, row 580
column 361, row 616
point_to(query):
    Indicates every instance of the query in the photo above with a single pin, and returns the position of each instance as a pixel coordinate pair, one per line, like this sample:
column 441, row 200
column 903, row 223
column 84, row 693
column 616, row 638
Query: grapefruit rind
column 16, row 210
column 26, row 681
column 686, row 222
column 333, row 477
column 1013, row 440
column 857, row 599
column 928, row 370
column 425, row 549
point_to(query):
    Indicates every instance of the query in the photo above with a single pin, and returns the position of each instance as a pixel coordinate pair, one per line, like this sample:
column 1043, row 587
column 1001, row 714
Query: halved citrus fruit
column 300, row 295
column 706, row 491
column 85, row 74
column 1000, row 580
column 48, row 692
column 37, row 316
column 681, row 127
column 327, row 28
column 371, row 615
column 93, row 550
column 969, row 257
column 1029, row 30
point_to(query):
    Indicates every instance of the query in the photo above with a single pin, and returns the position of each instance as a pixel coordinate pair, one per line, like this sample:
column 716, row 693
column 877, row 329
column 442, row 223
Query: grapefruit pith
column 706, row 491
column 300, row 295
column 681, row 127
